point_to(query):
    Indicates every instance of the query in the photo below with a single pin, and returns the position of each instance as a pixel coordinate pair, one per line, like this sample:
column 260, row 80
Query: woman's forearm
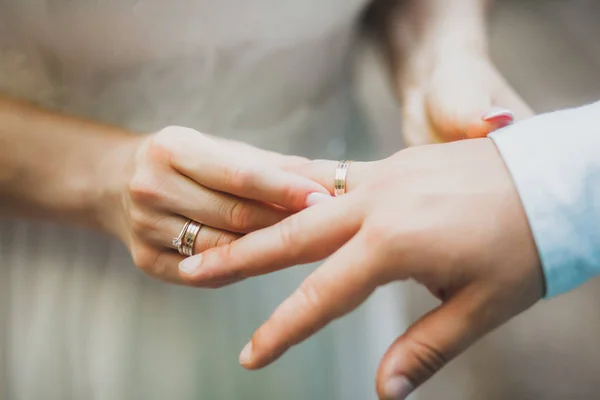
column 55, row 167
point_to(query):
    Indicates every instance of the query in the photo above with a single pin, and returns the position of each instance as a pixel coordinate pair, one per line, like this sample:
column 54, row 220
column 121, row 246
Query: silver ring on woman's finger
column 184, row 242
column 341, row 173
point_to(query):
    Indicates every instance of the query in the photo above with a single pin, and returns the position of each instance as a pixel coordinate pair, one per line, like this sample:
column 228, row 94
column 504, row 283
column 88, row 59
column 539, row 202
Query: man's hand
column 447, row 216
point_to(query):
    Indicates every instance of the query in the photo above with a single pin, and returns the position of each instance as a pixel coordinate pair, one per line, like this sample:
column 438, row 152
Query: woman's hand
column 448, row 87
column 142, row 189
column 179, row 174
column 455, row 96
column 447, row 216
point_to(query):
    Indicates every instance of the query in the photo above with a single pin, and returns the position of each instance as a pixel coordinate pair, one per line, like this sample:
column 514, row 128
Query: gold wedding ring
column 184, row 242
column 341, row 173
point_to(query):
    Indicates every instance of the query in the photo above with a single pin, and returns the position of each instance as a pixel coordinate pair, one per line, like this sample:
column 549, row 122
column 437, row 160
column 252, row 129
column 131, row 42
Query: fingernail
column 246, row 354
column 190, row 264
column 316, row 198
column 398, row 388
column 498, row 113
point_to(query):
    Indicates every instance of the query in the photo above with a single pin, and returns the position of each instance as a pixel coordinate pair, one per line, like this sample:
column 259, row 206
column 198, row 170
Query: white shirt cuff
column 554, row 160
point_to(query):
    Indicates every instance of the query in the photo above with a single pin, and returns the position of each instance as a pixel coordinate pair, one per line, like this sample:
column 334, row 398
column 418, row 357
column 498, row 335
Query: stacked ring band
column 184, row 243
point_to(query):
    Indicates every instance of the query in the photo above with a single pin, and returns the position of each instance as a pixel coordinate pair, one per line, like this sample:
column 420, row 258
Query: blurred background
column 106, row 332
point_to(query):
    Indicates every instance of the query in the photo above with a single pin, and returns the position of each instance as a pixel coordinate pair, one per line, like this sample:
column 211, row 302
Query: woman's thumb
column 452, row 108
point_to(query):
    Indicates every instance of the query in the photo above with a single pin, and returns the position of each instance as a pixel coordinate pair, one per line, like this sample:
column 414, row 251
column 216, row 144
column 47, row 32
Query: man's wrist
column 553, row 160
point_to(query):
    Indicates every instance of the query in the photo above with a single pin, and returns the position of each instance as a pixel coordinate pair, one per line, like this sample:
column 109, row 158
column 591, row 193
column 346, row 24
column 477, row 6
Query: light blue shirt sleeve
column 554, row 160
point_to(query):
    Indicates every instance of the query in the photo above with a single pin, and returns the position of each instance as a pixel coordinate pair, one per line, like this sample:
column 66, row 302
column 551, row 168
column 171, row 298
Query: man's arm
column 554, row 160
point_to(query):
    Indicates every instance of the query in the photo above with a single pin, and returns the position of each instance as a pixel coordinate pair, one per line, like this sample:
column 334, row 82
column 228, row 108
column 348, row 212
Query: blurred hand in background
column 447, row 84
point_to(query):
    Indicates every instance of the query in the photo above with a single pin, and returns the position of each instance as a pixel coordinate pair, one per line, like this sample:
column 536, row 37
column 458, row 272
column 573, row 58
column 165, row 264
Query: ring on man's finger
column 341, row 174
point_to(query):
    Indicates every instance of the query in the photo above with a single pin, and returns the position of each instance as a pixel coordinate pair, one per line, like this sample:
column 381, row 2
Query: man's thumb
column 425, row 348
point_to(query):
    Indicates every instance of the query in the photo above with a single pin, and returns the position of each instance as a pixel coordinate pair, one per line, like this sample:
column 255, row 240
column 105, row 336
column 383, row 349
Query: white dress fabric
column 78, row 321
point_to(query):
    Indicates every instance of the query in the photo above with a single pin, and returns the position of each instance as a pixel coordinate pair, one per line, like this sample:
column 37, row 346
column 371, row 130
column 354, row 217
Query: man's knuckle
column 289, row 239
column 429, row 357
column 310, row 295
column 286, row 229
column 381, row 233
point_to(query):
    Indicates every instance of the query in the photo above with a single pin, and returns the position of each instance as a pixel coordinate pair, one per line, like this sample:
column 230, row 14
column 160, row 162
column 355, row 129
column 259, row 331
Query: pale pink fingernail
column 316, row 198
column 190, row 264
column 498, row 113
column 398, row 388
column 246, row 354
